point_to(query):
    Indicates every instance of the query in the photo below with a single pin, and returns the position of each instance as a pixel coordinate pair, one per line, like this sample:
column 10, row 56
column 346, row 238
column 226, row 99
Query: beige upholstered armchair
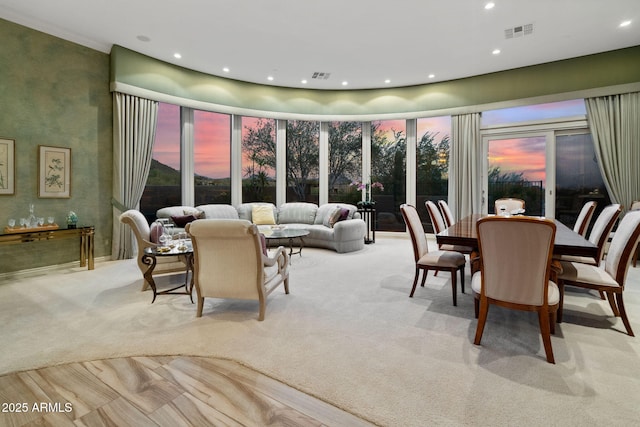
column 229, row 262
column 142, row 233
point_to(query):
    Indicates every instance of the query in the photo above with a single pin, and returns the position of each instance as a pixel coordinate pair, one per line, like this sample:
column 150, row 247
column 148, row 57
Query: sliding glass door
column 516, row 166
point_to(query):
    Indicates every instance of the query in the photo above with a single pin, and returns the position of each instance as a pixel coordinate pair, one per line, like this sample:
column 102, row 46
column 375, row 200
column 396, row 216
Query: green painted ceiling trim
column 130, row 69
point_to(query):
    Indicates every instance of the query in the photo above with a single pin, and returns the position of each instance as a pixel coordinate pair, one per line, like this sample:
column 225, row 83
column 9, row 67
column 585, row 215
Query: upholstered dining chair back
column 229, row 262
column 142, row 233
column 509, row 203
column 447, row 215
column 515, row 258
column 416, row 231
column 516, row 254
column 603, row 226
column 584, row 218
column 622, row 247
column 436, row 218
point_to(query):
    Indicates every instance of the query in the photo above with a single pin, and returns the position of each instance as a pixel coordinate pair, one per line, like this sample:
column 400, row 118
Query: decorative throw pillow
column 195, row 212
column 182, row 220
column 262, row 215
column 335, row 216
column 344, row 214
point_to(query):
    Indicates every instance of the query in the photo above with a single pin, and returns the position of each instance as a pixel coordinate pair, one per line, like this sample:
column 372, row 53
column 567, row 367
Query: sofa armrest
column 349, row 229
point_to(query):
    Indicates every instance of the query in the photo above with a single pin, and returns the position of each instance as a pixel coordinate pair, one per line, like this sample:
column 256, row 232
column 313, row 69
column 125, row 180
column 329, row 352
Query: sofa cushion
column 262, row 215
column 297, row 213
column 218, row 211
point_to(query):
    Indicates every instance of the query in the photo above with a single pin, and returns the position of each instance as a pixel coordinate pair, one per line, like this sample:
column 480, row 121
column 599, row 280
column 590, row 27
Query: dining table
column 567, row 241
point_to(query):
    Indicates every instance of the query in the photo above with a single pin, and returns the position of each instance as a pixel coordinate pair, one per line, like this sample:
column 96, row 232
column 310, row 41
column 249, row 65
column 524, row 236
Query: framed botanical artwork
column 7, row 166
column 54, row 172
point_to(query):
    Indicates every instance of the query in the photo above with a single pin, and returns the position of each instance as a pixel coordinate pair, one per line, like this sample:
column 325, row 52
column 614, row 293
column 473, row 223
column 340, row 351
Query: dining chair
column 509, row 204
column 439, row 225
column 229, row 262
column 447, row 215
column 516, row 276
column 425, row 260
column 609, row 277
column 584, row 218
column 599, row 235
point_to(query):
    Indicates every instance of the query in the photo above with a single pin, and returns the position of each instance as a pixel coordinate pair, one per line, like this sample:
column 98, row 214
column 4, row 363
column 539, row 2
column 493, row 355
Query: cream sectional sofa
column 344, row 236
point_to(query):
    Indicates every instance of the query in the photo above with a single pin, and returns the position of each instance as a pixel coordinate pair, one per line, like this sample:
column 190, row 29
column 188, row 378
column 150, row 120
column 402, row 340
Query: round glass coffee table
column 290, row 234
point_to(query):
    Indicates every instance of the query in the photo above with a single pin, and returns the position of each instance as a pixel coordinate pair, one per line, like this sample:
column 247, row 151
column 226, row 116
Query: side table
column 150, row 258
column 369, row 216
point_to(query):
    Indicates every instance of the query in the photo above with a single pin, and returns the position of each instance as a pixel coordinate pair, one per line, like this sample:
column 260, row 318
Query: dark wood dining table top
column 567, row 242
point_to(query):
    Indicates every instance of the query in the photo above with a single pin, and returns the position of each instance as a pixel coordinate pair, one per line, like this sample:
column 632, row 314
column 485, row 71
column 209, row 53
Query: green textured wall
column 53, row 92
column 609, row 69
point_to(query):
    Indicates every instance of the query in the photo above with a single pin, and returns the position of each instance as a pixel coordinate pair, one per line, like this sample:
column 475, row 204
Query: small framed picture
column 54, row 172
column 7, row 166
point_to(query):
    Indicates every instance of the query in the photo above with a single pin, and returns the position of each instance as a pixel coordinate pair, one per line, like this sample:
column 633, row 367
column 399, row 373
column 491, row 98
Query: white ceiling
column 363, row 42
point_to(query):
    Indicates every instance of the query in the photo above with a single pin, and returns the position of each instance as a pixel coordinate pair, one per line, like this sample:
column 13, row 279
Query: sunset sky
column 212, row 137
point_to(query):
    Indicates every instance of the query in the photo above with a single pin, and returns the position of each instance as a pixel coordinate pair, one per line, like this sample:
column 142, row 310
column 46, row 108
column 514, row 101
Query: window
column 389, row 168
column 345, row 161
column 212, row 157
column 303, row 155
column 538, row 112
column 163, row 184
column 258, row 160
column 578, row 178
column 432, row 163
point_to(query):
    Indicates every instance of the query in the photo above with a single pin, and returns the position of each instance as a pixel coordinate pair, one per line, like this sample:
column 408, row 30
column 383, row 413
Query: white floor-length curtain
column 464, row 177
column 134, row 131
column 615, row 126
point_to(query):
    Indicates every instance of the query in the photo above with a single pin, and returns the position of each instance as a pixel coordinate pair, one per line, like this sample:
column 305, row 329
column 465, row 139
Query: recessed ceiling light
column 143, row 38
column 489, row 5
column 496, row 51
column 270, row 78
column 431, row 76
column 177, row 55
column 387, row 81
column 226, row 69
column 625, row 23
column 303, row 81
column 345, row 83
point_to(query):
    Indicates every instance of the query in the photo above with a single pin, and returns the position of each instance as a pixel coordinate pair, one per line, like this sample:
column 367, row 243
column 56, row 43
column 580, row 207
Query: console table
column 85, row 233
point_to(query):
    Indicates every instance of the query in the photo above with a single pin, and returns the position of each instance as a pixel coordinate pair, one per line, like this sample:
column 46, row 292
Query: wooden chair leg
column 200, row 305
column 561, row 302
column 612, row 304
column 476, row 305
column 424, row 278
column 462, row 278
column 545, row 330
column 623, row 314
column 552, row 321
column 482, row 318
column 454, row 286
column 415, row 282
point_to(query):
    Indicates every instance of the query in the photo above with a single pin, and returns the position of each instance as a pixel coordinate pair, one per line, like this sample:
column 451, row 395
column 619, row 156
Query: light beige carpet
column 349, row 334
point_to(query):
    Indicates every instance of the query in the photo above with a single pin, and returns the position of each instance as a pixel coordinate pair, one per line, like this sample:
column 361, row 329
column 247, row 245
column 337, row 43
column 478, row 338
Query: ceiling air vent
column 320, row 76
column 518, row 31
